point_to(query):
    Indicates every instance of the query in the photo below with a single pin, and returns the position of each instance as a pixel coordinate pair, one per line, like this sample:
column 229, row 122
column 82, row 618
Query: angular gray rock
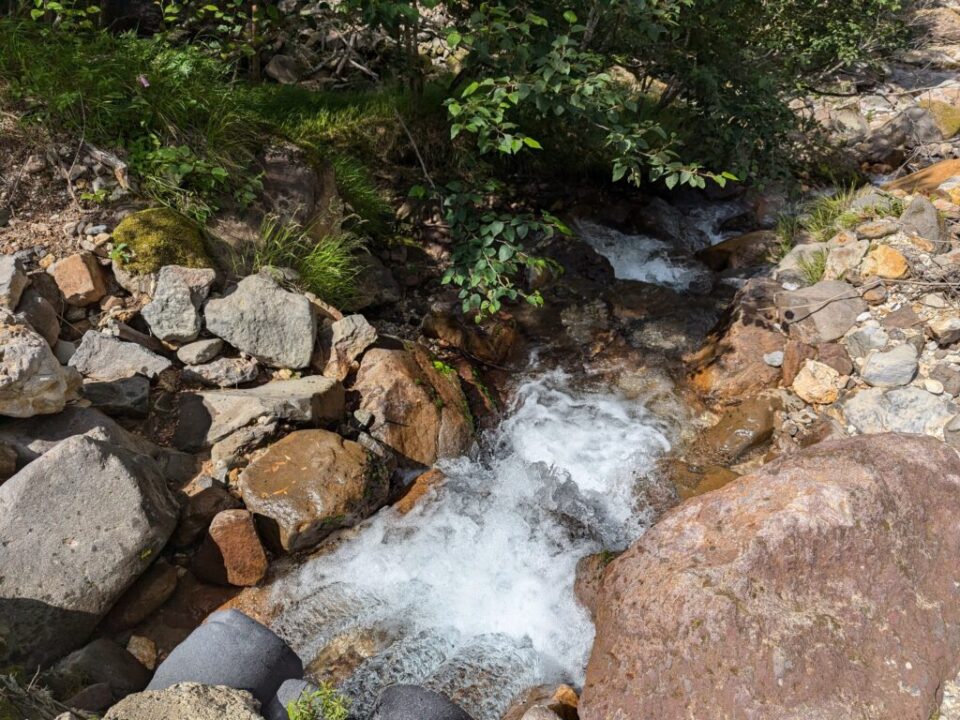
column 77, row 527
column 866, row 339
column 104, row 357
column 231, row 649
column 187, row 700
column 36, row 310
column 33, row 437
column 906, row 410
column 174, row 312
column 225, row 372
column 893, row 368
column 921, row 218
column 13, row 281
column 262, row 319
column 128, row 397
column 820, row 313
column 207, row 417
column 32, row 381
column 200, row 352
column 100, row 661
column 412, row 702
column 349, row 338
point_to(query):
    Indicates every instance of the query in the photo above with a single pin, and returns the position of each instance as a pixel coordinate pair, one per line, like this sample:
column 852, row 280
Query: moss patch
column 945, row 115
column 153, row 238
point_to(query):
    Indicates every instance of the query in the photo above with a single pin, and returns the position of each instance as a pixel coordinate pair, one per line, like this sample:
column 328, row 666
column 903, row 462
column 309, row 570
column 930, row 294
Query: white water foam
column 476, row 583
column 643, row 258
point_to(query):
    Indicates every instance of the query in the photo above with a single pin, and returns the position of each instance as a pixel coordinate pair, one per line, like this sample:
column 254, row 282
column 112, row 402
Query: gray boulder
column 32, row 381
column 225, row 372
column 412, row 702
column 100, row 661
column 104, row 357
column 187, row 701
column 864, row 340
column 208, row 417
column 262, row 319
column 34, row 437
column 127, row 397
column 905, row 410
column 199, row 352
column 174, row 312
column 13, row 281
column 921, row 218
column 894, row 368
column 233, row 650
column 37, row 311
column 820, row 313
column 77, row 527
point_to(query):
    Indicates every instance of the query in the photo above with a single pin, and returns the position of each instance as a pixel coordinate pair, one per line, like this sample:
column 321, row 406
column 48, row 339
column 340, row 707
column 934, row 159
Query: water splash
column 644, row 258
column 476, row 583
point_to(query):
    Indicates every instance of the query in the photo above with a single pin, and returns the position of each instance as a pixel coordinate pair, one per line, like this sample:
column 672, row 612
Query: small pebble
column 790, row 286
column 934, row 387
column 95, row 229
column 864, row 316
column 774, row 359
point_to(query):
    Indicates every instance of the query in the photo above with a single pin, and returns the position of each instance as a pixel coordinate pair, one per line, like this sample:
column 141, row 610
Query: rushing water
column 471, row 593
column 476, row 583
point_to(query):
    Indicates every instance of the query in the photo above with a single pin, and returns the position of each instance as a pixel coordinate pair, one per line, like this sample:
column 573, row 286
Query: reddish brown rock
column 198, row 511
column 419, row 409
column 589, row 577
column 754, row 248
column 418, row 489
column 835, row 355
column 311, row 483
column 231, row 553
column 80, row 279
column 731, row 366
column 742, row 428
column 822, row 586
column 795, row 354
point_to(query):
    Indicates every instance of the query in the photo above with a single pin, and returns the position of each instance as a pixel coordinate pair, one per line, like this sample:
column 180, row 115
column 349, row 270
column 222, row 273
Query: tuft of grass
column 358, row 190
column 323, row 704
column 814, row 266
column 787, row 230
column 327, row 266
column 826, row 215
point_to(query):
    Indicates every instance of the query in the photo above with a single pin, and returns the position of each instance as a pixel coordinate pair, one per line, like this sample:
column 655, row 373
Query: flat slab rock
column 821, row 313
column 311, row 483
column 77, row 527
column 208, row 417
column 105, row 358
column 822, row 583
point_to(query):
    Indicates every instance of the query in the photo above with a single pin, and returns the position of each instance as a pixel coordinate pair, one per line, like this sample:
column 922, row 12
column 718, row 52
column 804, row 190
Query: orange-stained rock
column 824, row 586
column 419, row 409
column 421, row 486
column 754, row 248
column 311, row 483
column 928, row 179
column 231, row 553
column 885, row 262
column 80, row 279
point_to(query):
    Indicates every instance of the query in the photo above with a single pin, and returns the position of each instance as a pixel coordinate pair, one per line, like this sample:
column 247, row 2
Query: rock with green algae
column 150, row 239
column 946, row 116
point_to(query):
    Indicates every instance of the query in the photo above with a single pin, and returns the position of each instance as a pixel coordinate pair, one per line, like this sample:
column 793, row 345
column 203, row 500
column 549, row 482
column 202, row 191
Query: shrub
column 323, row 704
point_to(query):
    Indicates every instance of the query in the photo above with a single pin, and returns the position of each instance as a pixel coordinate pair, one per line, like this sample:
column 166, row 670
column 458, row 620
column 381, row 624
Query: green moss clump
column 945, row 115
column 149, row 239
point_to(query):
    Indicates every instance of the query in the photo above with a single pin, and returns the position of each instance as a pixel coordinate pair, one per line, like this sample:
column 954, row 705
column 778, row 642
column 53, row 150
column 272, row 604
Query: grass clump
column 826, row 215
column 160, row 236
column 813, row 266
column 327, row 266
column 787, row 230
column 360, row 192
column 323, row 704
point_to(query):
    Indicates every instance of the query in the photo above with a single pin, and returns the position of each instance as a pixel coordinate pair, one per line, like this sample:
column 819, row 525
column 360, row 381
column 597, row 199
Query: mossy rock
column 158, row 237
column 945, row 115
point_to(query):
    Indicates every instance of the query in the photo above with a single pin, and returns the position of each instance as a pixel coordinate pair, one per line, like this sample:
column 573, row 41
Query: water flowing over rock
column 263, row 320
column 820, row 586
column 32, row 381
column 55, row 585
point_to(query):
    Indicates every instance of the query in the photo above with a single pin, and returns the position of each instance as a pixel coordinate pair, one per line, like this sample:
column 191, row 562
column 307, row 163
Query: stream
column 472, row 592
